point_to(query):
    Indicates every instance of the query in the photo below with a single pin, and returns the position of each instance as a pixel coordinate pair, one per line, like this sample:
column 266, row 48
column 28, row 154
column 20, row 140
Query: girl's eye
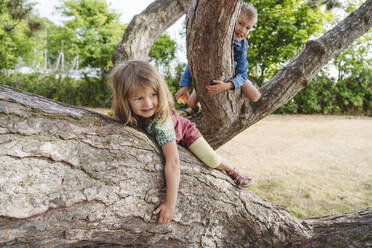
column 154, row 94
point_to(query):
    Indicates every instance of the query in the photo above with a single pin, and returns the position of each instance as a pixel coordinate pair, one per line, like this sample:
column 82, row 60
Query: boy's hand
column 219, row 86
column 182, row 91
column 166, row 213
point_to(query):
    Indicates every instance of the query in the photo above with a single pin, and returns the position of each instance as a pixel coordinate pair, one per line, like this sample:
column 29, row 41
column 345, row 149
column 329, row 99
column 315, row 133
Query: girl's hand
column 219, row 86
column 166, row 213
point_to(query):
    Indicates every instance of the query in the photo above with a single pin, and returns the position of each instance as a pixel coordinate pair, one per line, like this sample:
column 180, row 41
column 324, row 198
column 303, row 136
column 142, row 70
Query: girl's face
column 144, row 103
column 243, row 26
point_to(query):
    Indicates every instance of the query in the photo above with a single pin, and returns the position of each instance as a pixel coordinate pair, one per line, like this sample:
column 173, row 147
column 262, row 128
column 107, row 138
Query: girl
column 142, row 99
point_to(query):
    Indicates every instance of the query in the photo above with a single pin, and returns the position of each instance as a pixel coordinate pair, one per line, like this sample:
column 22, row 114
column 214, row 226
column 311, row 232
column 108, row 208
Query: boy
column 247, row 19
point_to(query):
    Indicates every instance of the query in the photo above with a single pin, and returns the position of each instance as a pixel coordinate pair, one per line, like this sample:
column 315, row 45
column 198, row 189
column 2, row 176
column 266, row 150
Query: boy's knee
column 256, row 97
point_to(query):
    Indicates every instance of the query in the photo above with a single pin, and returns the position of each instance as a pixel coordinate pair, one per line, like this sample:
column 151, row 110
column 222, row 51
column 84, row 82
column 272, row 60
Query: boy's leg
column 193, row 99
column 251, row 92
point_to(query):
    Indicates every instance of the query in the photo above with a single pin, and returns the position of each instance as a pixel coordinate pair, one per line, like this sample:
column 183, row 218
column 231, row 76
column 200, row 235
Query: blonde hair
column 127, row 78
column 249, row 11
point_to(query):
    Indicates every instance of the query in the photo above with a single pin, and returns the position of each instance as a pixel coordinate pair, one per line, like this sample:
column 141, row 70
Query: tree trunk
column 146, row 27
column 74, row 178
column 210, row 57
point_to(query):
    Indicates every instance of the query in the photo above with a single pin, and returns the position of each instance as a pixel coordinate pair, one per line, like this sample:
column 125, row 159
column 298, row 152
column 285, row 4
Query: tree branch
column 146, row 27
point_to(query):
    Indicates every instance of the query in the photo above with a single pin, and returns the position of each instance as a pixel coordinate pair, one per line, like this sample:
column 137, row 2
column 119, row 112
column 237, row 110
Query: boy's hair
column 249, row 11
column 130, row 77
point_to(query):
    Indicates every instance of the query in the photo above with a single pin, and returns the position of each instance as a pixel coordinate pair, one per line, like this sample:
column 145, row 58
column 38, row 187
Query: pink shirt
column 179, row 128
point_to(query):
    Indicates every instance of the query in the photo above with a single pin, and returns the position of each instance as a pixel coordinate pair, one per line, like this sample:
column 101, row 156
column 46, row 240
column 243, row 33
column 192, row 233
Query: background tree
column 146, row 27
column 16, row 32
column 91, row 24
column 281, row 32
column 163, row 52
column 344, row 85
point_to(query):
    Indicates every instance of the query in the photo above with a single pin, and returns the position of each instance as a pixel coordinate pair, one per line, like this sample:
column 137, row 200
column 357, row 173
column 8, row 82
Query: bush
column 351, row 95
column 92, row 92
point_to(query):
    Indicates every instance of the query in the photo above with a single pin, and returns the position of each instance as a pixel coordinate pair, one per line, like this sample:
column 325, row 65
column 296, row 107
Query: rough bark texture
column 209, row 54
column 74, row 178
column 209, row 43
column 146, row 27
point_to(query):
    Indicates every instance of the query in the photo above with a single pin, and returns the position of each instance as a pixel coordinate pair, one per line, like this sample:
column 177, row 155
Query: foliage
column 87, row 91
column 353, row 60
column 92, row 33
column 282, row 29
column 350, row 95
column 16, row 32
column 163, row 51
column 174, row 81
column 83, row 92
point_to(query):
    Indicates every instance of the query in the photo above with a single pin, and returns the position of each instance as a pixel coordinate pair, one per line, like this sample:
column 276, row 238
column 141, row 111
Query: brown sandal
column 240, row 180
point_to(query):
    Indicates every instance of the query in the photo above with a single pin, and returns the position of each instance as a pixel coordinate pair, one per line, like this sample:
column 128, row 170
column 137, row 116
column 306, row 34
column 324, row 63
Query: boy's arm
column 172, row 179
column 240, row 77
column 241, row 68
column 219, row 86
column 186, row 78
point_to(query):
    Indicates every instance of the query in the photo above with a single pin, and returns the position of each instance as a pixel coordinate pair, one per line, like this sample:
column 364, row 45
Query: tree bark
column 74, row 178
column 210, row 57
column 146, row 27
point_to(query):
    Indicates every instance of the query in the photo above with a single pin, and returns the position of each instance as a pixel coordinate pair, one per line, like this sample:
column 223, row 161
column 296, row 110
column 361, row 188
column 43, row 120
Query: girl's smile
column 144, row 103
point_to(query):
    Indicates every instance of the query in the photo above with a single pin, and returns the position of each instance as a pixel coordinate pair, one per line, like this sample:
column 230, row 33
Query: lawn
column 311, row 165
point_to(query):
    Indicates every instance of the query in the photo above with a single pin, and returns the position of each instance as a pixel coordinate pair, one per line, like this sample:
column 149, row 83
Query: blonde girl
column 142, row 99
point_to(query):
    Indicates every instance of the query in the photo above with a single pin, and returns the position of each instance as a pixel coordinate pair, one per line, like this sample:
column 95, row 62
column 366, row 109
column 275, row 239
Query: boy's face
column 243, row 26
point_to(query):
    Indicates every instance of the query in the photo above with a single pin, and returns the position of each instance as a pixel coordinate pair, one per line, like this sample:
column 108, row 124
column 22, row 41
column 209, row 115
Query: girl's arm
column 172, row 179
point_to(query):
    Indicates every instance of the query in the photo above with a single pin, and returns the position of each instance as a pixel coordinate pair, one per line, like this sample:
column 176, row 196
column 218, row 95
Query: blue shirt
column 240, row 64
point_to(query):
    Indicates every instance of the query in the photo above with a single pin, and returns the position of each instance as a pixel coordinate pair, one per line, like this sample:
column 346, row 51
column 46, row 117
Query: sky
column 127, row 9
